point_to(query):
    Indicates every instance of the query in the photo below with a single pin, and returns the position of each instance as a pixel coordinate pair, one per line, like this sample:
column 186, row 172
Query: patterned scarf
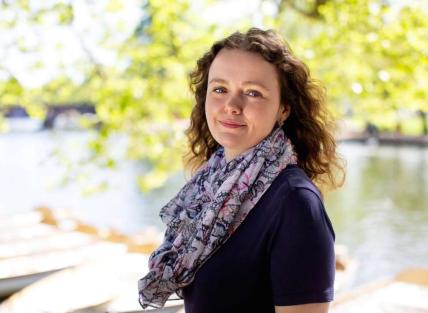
column 207, row 210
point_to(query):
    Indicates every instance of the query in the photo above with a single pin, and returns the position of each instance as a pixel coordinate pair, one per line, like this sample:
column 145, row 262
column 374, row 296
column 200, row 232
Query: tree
column 143, row 94
column 371, row 55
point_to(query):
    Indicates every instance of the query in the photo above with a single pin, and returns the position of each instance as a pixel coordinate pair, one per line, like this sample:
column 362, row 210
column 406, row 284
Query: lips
column 231, row 124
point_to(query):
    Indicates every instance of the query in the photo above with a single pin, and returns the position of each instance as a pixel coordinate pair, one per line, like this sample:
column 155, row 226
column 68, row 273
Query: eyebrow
column 248, row 82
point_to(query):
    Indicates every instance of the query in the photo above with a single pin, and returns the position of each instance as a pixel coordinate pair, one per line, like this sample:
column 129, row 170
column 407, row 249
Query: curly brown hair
column 309, row 125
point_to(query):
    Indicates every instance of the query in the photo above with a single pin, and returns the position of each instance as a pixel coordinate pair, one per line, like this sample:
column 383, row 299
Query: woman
column 249, row 232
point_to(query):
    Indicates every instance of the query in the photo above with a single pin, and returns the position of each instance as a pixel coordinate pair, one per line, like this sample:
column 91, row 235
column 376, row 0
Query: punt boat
column 407, row 292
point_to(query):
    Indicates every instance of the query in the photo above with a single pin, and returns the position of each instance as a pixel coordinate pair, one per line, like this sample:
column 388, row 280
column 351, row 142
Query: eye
column 254, row 93
column 219, row 90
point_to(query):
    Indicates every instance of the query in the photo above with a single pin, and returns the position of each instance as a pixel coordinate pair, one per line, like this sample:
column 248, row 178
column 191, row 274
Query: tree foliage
column 371, row 56
column 143, row 93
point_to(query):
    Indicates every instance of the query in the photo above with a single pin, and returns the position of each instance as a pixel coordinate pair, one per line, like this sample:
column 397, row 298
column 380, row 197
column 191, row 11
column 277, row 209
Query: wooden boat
column 19, row 271
column 407, row 292
column 108, row 285
column 36, row 244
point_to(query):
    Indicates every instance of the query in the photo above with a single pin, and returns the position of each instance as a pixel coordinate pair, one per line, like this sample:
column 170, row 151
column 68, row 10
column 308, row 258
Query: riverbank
column 384, row 139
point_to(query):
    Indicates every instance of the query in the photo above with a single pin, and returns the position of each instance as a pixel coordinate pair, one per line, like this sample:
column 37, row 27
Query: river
column 380, row 214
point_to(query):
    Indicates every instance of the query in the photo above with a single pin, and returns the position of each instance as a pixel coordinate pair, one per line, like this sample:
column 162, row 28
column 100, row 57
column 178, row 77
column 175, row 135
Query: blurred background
column 94, row 100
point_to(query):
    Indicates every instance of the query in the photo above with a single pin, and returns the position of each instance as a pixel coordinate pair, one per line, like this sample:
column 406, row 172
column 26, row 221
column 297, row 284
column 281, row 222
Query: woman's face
column 243, row 100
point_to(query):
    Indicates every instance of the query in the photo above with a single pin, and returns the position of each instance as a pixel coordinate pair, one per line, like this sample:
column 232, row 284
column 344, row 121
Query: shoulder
column 294, row 181
column 298, row 202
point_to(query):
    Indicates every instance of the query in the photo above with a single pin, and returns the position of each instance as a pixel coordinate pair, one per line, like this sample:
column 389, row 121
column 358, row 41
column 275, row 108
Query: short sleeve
column 302, row 259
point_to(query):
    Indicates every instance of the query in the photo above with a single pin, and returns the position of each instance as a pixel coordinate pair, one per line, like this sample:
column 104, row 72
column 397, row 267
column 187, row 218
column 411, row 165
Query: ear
column 284, row 112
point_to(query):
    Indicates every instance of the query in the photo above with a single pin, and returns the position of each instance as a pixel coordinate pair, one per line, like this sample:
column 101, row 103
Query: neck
column 230, row 155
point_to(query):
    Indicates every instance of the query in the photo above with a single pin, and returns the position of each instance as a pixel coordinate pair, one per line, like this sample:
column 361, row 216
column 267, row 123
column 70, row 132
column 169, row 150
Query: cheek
column 261, row 118
column 256, row 112
column 209, row 113
column 210, row 107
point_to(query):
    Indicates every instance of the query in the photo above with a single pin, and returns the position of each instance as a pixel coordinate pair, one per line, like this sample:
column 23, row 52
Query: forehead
column 238, row 65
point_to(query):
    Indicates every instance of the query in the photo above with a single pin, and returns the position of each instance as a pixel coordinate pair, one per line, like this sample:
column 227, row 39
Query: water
column 33, row 167
column 381, row 213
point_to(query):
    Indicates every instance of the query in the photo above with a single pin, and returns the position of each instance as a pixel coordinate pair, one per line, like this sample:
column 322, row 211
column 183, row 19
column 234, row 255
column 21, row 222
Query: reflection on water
column 380, row 214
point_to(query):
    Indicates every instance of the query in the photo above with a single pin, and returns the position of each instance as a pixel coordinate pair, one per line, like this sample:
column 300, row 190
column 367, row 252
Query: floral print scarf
column 207, row 210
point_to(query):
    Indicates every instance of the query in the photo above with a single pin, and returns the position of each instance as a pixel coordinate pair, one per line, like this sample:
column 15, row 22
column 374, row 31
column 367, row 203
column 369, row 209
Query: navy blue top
column 281, row 254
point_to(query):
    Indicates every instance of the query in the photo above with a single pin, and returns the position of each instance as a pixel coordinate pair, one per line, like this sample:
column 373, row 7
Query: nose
column 233, row 104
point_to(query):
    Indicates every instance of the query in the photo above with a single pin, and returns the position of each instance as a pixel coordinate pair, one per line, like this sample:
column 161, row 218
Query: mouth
column 230, row 124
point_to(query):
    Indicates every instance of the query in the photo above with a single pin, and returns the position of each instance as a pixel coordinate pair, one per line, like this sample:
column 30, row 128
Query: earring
column 280, row 123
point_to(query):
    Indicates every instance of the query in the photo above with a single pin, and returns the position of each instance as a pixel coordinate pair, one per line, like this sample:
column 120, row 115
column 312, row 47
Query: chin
column 228, row 142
